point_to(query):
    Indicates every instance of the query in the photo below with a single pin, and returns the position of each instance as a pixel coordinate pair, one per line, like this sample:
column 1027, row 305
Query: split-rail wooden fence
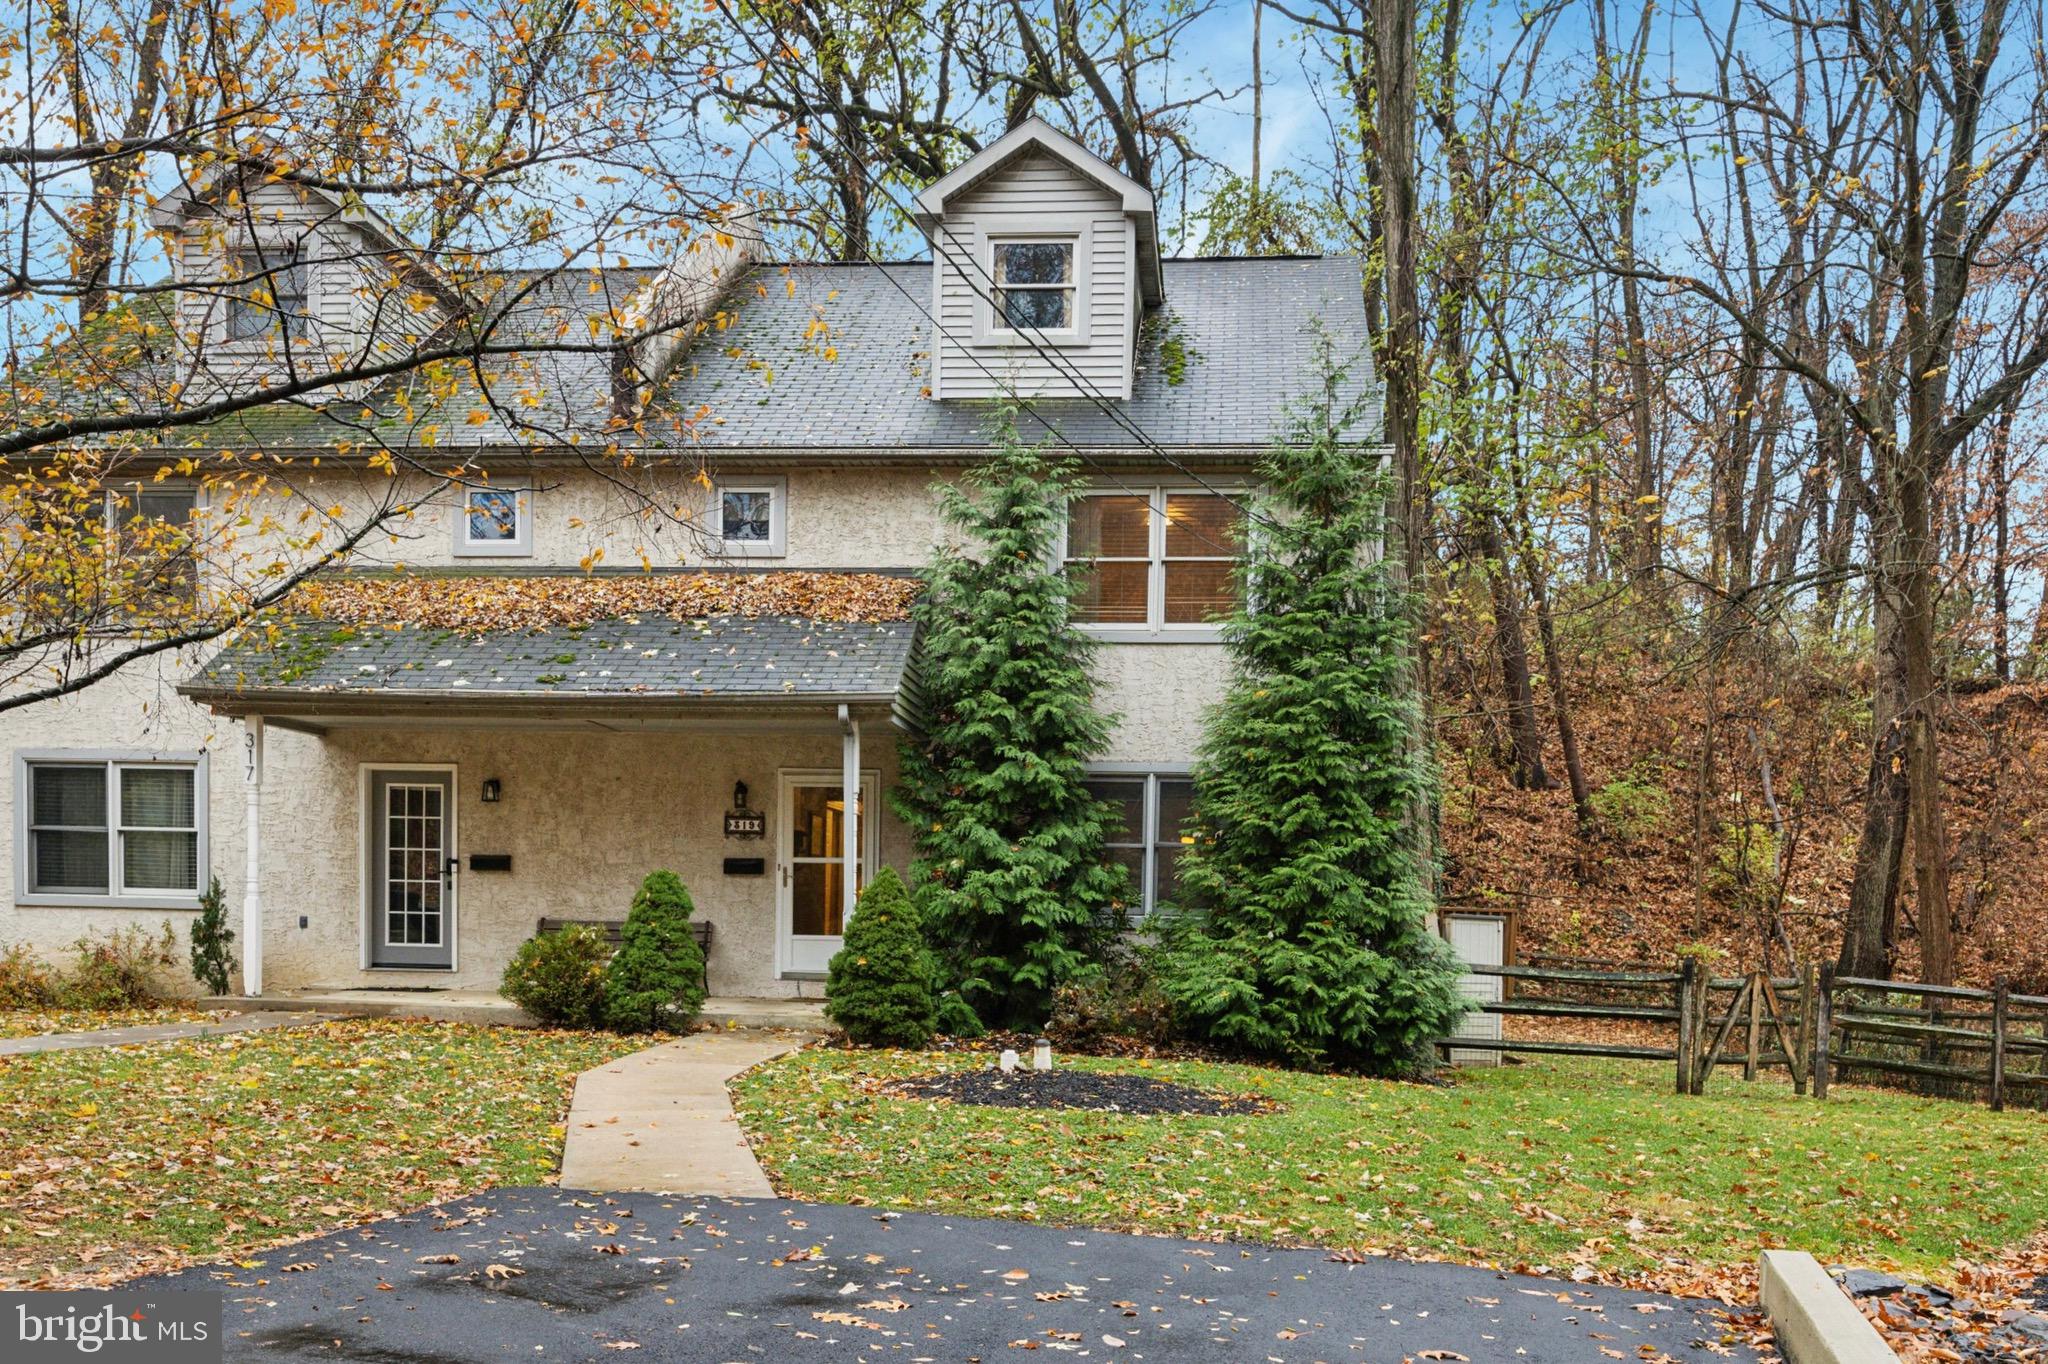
column 1818, row 1026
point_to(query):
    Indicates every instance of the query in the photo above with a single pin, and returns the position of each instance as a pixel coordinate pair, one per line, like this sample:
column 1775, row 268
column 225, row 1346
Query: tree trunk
column 1512, row 649
column 1881, row 845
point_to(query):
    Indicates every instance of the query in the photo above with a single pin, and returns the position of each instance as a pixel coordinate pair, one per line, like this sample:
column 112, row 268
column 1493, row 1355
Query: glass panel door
column 814, row 870
column 412, row 882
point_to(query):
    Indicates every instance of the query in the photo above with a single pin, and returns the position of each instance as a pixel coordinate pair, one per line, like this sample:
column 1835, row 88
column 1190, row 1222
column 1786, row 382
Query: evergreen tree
column 655, row 983
column 878, row 988
column 1304, row 932
column 211, row 939
column 1009, row 875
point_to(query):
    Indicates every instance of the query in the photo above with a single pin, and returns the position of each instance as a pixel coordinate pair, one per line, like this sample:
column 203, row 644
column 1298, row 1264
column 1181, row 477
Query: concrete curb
column 1815, row 1321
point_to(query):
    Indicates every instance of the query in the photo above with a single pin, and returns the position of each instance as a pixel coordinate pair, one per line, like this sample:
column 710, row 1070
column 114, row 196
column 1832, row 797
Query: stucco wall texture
column 585, row 813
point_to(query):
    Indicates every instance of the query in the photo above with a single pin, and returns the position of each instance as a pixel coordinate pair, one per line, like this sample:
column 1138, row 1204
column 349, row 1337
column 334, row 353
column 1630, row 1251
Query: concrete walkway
column 660, row 1120
column 154, row 1032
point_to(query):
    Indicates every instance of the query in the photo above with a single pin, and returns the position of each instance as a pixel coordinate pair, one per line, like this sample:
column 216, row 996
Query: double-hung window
column 150, row 525
column 110, row 829
column 1035, row 286
column 270, row 298
column 1158, row 560
column 1147, row 834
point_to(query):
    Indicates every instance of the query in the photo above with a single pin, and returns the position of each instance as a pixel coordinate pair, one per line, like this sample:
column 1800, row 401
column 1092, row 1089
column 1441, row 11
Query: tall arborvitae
column 1009, row 875
column 1303, row 933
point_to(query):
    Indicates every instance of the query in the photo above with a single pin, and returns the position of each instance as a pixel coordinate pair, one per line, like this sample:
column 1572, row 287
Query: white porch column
column 849, row 791
column 252, row 881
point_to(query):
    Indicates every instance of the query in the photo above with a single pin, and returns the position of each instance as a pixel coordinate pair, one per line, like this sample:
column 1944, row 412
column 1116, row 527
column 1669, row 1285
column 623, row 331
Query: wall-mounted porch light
column 493, row 790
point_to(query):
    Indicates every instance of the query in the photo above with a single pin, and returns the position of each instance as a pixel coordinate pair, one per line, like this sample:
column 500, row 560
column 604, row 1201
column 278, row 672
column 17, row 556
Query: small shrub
column 955, row 1017
column 211, row 939
column 1744, row 871
column 878, row 988
column 1123, row 1002
column 25, row 980
column 558, row 976
column 655, row 983
column 1633, row 807
column 120, row 970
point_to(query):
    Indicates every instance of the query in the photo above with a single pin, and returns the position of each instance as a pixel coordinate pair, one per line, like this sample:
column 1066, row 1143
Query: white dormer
column 1044, row 257
column 275, row 273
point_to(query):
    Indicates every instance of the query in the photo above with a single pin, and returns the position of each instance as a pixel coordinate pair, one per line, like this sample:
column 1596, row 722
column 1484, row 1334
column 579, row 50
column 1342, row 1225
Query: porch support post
column 849, row 790
column 252, row 882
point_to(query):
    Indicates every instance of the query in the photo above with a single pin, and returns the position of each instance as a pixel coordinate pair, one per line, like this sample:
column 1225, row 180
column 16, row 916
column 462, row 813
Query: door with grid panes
column 412, row 869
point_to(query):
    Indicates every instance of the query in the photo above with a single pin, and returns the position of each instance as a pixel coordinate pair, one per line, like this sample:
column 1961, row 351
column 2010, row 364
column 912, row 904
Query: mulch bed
column 1103, row 1093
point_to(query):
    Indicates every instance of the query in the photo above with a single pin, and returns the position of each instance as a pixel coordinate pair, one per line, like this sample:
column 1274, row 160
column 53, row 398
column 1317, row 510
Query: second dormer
column 276, row 278
column 1044, row 260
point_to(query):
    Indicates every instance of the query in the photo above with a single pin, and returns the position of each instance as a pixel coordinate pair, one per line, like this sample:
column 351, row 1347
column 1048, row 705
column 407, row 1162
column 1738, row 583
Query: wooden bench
column 614, row 929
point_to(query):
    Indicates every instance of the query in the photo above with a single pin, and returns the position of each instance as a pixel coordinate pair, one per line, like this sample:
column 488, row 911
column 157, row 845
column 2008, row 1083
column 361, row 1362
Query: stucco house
column 395, row 791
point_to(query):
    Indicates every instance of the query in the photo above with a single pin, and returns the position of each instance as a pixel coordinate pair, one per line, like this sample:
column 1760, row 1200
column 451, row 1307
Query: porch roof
column 646, row 665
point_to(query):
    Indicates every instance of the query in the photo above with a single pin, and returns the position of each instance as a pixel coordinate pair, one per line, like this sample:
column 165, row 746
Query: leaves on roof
column 485, row 605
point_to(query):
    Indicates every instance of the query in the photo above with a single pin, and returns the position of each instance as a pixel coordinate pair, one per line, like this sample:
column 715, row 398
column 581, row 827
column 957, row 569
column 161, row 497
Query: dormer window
column 1044, row 260
column 1035, row 285
column 273, row 287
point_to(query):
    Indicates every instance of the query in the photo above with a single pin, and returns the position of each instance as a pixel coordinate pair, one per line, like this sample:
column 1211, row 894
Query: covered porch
column 417, row 805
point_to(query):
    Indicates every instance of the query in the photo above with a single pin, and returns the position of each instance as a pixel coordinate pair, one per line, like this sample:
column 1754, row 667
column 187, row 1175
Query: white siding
column 360, row 311
column 1029, row 193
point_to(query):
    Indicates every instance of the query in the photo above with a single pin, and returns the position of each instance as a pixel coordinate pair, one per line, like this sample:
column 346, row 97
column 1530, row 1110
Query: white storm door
column 812, row 867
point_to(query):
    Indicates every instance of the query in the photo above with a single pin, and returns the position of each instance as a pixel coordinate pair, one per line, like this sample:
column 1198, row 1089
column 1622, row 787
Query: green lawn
column 1553, row 1165
column 124, row 1159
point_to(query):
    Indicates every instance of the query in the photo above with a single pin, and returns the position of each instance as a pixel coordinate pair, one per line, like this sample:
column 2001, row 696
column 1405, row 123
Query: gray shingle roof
column 1245, row 331
column 730, row 657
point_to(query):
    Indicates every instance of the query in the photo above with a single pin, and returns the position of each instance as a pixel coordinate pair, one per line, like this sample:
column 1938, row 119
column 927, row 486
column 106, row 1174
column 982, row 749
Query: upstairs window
column 1035, row 286
column 495, row 523
column 750, row 517
column 1154, row 559
column 150, row 525
column 272, row 289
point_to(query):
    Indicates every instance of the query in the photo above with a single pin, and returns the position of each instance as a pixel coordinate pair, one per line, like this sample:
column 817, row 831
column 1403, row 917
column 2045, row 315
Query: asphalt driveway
column 551, row 1275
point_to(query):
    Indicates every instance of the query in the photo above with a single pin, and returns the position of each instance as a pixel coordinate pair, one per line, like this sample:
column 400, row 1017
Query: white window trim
column 272, row 247
column 1156, row 629
column 520, row 546
column 980, row 275
column 111, row 758
column 1151, row 774
column 777, row 543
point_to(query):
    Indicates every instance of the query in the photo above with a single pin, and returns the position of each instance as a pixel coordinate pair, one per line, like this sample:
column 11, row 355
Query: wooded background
column 1711, row 339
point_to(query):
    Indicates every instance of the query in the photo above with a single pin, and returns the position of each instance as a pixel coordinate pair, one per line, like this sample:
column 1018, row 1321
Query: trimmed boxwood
column 878, row 987
column 656, row 981
column 558, row 976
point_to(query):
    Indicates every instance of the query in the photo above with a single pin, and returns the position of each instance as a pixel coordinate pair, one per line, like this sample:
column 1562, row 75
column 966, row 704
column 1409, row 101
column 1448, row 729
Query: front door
column 412, row 869
column 811, row 898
